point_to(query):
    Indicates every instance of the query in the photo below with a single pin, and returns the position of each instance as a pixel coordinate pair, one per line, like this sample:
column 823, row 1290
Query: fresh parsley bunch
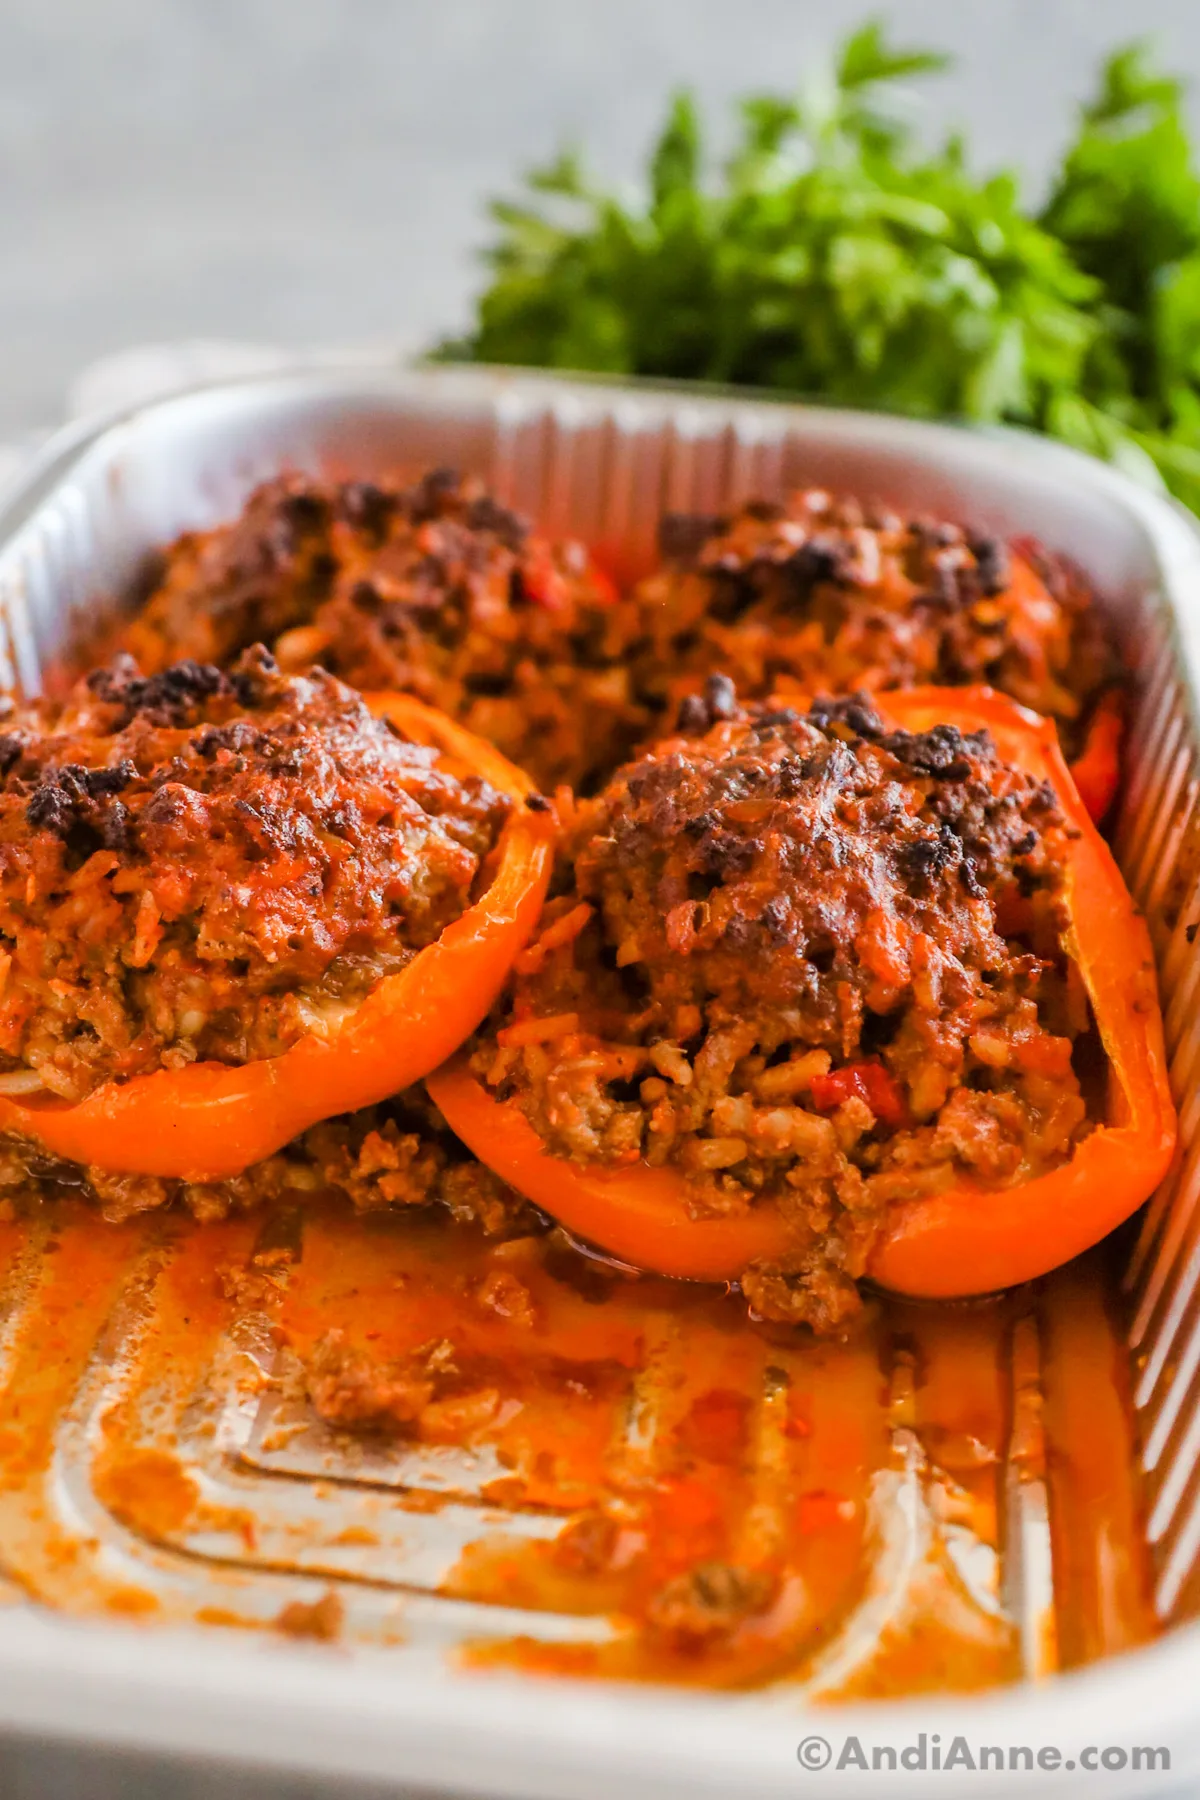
column 832, row 256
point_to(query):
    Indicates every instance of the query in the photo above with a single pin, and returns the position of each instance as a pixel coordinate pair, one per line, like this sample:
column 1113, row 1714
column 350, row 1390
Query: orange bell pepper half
column 967, row 1239
column 971, row 1240
column 1097, row 770
column 210, row 1120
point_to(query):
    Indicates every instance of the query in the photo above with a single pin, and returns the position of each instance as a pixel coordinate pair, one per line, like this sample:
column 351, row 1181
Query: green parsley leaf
column 833, row 255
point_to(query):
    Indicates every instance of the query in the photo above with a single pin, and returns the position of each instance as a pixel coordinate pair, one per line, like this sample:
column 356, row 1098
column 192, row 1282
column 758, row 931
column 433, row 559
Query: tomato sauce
column 717, row 1502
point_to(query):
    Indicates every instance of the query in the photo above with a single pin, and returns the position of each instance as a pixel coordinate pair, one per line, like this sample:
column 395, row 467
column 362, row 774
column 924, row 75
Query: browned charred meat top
column 211, row 864
column 824, row 596
column 811, row 961
column 760, row 871
column 433, row 588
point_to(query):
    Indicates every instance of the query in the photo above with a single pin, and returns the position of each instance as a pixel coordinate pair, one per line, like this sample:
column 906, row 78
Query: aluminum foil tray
column 195, row 1569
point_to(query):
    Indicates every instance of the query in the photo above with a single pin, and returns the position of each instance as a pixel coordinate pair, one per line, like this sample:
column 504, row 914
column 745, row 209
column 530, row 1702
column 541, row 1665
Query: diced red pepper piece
column 867, row 1080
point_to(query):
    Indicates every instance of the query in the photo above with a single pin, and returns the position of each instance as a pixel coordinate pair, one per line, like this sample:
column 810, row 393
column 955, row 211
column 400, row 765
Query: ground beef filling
column 398, row 1154
column 823, row 596
column 812, row 963
column 211, row 865
column 434, row 589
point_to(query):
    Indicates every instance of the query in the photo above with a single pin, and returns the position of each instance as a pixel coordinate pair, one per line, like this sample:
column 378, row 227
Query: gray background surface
column 298, row 171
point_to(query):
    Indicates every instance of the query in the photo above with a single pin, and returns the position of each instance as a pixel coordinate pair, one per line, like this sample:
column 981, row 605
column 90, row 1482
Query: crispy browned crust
column 210, row 864
column 822, row 595
column 432, row 588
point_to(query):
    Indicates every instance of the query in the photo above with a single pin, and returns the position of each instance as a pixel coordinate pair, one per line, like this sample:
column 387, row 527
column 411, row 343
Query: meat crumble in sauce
column 810, row 962
column 207, row 865
column 396, row 1155
column 434, row 589
column 820, row 595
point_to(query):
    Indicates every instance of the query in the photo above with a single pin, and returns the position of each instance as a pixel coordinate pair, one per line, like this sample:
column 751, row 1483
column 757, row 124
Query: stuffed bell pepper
column 234, row 904
column 823, row 595
column 830, row 992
